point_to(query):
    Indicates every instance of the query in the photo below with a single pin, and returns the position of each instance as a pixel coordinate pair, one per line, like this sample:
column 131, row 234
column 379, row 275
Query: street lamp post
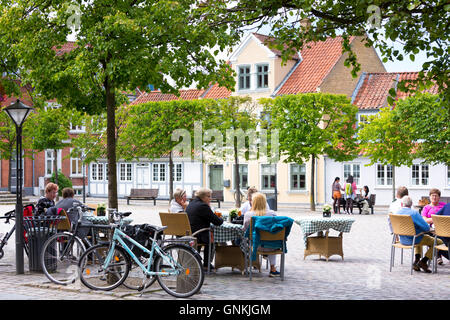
column 18, row 112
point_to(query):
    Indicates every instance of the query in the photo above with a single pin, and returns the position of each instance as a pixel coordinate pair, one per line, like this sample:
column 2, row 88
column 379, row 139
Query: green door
column 216, row 177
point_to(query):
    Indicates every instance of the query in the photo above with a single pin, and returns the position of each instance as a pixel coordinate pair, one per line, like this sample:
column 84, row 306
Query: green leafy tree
column 120, row 45
column 149, row 129
column 49, row 129
column 62, row 181
column 311, row 125
column 418, row 25
column 428, row 117
column 236, row 121
column 387, row 139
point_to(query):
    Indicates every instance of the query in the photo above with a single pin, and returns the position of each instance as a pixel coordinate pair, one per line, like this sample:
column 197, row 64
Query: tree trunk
column 237, row 176
column 111, row 145
column 312, row 199
column 10, row 172
column 170, row 176
column 393, row 183
column 55, row 166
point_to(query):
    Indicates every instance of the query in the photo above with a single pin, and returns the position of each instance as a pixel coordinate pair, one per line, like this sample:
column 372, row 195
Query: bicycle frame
column 117, row 238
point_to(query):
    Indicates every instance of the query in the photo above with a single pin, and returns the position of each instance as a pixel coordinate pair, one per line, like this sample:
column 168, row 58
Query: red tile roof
column 188, row 94
column 266, row 40
column 216, row 92
column 318, row 59
column 64, row 48
column 374, row 90
column 6, row 100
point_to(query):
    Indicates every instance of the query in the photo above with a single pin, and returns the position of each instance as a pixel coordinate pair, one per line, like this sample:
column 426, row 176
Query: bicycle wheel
column 137, row 280
column 59, row 257
column 190, row 274
column 92, row 273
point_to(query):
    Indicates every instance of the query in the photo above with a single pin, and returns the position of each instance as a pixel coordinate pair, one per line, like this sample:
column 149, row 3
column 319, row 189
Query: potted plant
column 327, row 211
column 101, row 209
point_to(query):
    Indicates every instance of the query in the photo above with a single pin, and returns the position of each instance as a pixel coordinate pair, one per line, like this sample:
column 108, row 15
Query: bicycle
column 60, row 253
column 177, row 267
column 10, row 215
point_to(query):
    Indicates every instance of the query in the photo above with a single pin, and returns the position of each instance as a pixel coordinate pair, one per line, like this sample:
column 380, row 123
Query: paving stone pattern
column 363, row 274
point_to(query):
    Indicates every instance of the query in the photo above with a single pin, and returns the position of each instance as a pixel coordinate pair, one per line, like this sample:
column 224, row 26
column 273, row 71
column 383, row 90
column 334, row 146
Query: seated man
column 201, row 216
column 423, row 240
column 68, row 202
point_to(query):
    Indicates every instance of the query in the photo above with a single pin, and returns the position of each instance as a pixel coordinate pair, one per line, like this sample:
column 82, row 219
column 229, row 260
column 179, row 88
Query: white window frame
column 78, row 164
column 77, row 129
column 249, row 75
column 262, row 176
column 263, row 74
column 99, row 174
column 242, row 187
column 51, row 159
column 127, row 172
column 177, row 172
column 352, row 171
column 159, row 166
column 291, row 174
column 385, row 175
column 421, row 171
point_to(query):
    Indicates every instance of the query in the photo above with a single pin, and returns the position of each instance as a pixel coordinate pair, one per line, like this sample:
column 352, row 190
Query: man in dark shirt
column 201, row 216
column 51, row 190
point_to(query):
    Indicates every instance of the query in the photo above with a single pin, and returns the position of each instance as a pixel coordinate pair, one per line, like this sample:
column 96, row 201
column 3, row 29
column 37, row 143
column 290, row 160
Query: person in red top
column 434, row 206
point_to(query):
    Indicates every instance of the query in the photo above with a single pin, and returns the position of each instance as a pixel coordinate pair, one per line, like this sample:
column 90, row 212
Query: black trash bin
column 37, row 231
column 272, row 202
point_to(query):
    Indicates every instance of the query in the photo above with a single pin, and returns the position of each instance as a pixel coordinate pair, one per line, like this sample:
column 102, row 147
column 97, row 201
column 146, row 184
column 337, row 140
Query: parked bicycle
column 11, row 215
column 60, row 253
column 177, row 267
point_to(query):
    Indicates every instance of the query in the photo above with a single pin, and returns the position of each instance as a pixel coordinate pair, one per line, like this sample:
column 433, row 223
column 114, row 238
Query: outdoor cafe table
column 225, row 255
column 323, row 245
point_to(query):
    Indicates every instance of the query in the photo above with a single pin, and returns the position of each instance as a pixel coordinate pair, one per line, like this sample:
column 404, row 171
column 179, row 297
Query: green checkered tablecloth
column 104, row 220
column 313, row 225
column 228, row 232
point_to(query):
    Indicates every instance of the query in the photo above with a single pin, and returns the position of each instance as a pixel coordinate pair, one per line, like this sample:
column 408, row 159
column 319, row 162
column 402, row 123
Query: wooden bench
column 143, row 194
column 358, row 204
column 216, row 196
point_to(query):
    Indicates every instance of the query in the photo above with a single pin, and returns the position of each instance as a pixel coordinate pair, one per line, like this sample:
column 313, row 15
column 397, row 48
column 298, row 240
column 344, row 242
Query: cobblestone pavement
column 363, row 274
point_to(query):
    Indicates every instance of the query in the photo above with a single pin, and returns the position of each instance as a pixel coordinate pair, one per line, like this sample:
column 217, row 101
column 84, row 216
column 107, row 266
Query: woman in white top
column 259, row 208
column 247, row 206
column 179, row 201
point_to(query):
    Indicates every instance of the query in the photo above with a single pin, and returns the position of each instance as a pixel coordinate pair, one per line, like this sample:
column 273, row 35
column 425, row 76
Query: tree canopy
column 417, row 25
column 119, row 45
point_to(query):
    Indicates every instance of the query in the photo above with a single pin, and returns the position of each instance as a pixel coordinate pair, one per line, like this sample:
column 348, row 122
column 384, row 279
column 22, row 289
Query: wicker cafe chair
column 402, row 225
column 64, row 225
column 441, row 229
column 179, row 227
column 267, row 236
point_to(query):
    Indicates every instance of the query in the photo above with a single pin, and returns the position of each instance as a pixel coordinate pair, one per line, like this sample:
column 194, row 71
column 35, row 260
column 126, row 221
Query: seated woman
column 247, row 206
column 259, row 208
column 179, row 201
column 365, row 200
column 433, row 207
column 51, row 190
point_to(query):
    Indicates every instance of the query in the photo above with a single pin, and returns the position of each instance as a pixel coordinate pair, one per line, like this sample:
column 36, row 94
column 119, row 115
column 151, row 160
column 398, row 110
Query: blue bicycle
column 177, row 267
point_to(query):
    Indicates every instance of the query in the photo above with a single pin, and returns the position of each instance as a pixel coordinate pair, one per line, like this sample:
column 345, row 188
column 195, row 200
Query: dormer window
column 262, row 76
column 244, row 77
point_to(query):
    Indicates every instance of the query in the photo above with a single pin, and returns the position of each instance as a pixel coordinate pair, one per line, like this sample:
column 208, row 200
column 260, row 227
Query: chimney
column 305, row 24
